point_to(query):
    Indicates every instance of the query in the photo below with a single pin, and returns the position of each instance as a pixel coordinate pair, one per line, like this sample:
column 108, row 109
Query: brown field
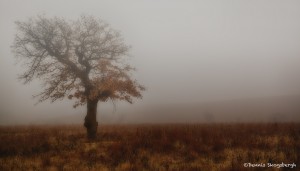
column 181, row 147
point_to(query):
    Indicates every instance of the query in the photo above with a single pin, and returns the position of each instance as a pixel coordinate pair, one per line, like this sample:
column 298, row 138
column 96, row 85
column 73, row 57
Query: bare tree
column 81, row 60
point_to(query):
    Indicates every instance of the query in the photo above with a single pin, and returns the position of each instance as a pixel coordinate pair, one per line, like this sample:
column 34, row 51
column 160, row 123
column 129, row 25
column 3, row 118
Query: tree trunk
column 90, row 121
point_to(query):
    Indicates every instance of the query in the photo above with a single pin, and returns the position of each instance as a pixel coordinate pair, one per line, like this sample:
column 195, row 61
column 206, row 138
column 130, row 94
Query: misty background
column 201, row 61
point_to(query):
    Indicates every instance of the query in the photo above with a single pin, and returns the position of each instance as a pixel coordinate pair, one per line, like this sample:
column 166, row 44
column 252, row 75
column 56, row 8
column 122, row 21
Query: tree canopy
column 83, row 59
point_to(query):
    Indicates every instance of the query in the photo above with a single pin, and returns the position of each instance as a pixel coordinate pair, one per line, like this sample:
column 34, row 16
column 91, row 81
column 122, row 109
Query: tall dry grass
column 150, row 147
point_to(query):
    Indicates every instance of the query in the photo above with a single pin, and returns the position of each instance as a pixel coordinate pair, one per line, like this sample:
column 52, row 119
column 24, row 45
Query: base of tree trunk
column 91, row 128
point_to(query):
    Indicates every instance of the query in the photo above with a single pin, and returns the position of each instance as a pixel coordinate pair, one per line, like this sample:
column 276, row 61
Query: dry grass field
column 182, row 147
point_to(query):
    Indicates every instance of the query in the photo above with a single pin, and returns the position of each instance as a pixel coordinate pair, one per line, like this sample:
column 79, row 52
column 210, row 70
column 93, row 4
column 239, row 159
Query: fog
column 199, row 60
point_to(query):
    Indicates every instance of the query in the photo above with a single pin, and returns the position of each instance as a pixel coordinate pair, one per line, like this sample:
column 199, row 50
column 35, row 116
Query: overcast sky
column 185, row 51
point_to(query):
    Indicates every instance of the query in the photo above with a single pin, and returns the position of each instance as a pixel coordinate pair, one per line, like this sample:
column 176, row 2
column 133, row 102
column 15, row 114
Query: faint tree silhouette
column 82, row 60
column 208, row 116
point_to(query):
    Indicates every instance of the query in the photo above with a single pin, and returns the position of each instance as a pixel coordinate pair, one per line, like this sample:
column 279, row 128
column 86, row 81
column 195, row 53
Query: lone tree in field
column 82, row 60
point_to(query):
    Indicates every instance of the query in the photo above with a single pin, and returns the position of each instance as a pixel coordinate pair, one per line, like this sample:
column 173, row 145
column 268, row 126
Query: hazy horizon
column 185, row 52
